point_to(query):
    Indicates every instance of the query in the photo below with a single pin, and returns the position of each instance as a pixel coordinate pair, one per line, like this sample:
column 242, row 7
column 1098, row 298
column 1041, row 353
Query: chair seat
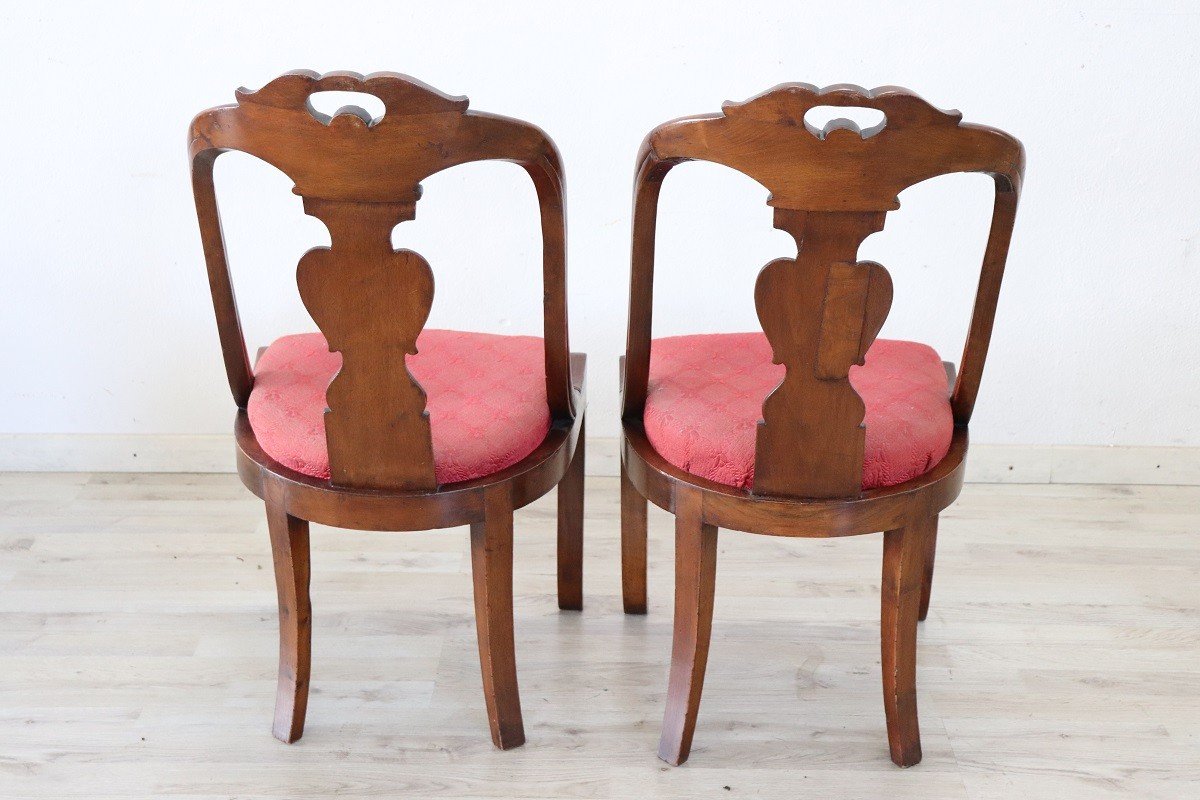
column 486, row 398
column 705, row 396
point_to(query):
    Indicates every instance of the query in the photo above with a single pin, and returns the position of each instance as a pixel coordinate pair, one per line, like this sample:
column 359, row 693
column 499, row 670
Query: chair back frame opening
column 820, row 311
column 361, row 177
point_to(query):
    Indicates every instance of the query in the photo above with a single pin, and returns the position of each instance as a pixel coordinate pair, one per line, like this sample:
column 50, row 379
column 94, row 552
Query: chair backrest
column 820, row 311
column 361, row 177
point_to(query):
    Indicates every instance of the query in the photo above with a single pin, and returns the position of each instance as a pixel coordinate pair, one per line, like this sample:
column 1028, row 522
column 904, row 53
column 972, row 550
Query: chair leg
column 695, row 580
column 927, row 584
column 633, row 546
column 492, row 573
column 904, row 552
column 570, row 530
column 290, row 552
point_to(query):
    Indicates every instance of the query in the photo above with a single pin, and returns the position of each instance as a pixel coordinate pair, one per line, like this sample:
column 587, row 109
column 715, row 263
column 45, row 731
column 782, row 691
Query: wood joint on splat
column 820, row 311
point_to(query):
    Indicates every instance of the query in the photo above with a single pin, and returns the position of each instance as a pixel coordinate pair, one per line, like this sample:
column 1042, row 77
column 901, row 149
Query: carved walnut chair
column 424, row 429
column 764, row 432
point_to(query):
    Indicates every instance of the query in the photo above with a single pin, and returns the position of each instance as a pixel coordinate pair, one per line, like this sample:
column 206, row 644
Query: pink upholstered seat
column 706, row 393
column 486, row 400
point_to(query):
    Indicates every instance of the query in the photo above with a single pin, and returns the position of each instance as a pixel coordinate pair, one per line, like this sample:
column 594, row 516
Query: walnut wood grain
column 371, row 302
column 820, row 311
column 633, row 545
column 831, row 189
column 927, row 576
column 492, row 574
column 290, row 554
column 695, row 585
column 570, row 529
column 904, row 551
column 361, row 177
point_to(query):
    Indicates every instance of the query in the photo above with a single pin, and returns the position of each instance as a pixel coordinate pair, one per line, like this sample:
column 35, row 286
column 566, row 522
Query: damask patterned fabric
column 706, row 392
column 486, row 400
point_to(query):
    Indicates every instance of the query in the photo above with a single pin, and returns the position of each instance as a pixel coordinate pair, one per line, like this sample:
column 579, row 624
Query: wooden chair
column 765, row 432
column 503, row 422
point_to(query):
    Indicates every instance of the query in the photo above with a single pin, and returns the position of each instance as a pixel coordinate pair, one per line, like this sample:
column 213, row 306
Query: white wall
column 106, row 324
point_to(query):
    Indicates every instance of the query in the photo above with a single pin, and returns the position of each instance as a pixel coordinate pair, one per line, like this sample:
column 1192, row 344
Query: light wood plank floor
column 1061, row 658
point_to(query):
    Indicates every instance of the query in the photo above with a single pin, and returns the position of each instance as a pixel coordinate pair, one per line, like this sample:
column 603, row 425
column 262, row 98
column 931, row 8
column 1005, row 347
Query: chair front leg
column 570, row 529
column 290, row 553
column 633, row 546
column 695, row 581
column 927, row 582
column 904, row 551
column 492, row 574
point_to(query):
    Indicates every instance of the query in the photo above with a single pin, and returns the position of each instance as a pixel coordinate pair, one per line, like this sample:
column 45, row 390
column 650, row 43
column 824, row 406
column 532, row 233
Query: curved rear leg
column 695, row 581
column 904, row 552
column 633, row 546
column 927, row 583
column 290, row 553
column 570, row 529
column 492, row 574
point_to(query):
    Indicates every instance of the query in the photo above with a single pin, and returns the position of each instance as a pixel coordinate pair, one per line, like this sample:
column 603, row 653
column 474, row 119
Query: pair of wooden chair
column 376, row 423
